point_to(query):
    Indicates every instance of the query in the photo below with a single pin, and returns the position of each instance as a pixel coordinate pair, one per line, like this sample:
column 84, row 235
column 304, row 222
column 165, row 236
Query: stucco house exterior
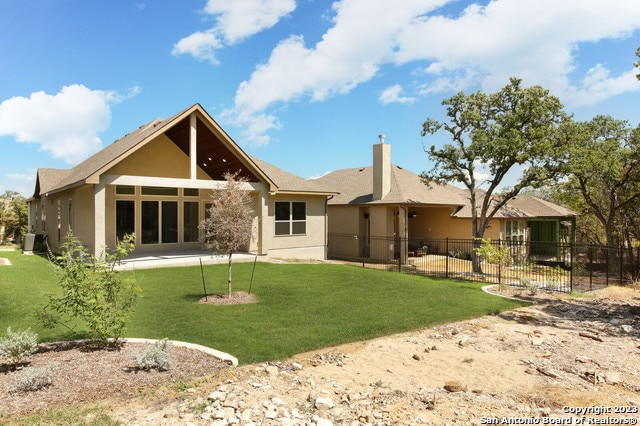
column 388, row 202
column 156, row 182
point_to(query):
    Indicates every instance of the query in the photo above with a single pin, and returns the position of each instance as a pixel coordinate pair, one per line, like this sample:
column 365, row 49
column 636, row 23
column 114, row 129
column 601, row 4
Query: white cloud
column 598, row 85
column 200, row 45
column 65, row 124
column 235, row 21
column 482, row 46
column 537, row 41
column 392, row 95
column 350, row 53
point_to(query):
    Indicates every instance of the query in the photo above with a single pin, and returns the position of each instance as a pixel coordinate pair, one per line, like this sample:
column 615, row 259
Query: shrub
column 92, row 291
column 19, row 345
column 154, row 357
column 34, row 378
column 552, row 285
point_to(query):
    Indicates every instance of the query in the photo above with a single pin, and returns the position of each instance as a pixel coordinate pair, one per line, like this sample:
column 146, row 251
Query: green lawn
column 302, row 306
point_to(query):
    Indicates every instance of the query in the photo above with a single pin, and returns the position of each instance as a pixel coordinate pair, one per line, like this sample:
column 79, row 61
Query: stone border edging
column 486, row 287
column 209, row 351
column 213, row 352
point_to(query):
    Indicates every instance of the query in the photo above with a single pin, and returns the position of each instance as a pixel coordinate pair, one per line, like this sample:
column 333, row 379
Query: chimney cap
column 381, row 137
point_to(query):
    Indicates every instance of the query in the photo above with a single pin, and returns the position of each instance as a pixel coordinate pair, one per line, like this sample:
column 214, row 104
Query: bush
column 92, row 291
column 154, row 357
column 34, row 378
column 17, row 346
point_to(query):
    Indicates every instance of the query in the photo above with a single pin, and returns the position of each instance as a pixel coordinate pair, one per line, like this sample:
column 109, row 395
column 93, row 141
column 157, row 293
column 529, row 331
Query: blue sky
column 306, row 85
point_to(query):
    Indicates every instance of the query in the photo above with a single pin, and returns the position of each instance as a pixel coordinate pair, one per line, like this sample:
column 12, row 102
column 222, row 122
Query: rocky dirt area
column 560, row 360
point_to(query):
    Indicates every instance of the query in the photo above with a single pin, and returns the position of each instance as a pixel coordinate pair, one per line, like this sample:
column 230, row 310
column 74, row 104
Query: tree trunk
column 229, row 276
column 475, row 258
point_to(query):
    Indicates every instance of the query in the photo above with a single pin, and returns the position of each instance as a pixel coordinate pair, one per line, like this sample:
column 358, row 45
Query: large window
column 169, row 222
column 291, row 218
column 190, row 221
column 516, row 230
column 159, row 222
column 152, row 190
column 125, row 218
column 150, row 222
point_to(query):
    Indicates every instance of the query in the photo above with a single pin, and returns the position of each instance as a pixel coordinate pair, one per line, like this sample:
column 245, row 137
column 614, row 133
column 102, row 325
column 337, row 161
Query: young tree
column 229, row 224
column 92, row 291
column 498, row 132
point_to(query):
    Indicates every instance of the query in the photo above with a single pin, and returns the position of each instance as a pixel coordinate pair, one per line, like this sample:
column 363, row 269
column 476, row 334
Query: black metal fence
column 533, row 265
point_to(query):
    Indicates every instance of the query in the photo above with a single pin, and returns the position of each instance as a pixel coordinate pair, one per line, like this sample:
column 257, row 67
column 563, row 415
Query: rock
column 416, row 357
column 583, row 359
column 627, row 328
column 536, row 341
column 231, row 401
column 272, row 370
column 217, row 396
column 323, row 403
column 323, row 422
column 611, row 378
column 464, row 341
column 271, row 413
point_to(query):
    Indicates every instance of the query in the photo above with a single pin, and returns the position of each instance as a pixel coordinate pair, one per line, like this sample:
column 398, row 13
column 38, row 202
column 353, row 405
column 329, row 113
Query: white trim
column 100, row 221
column 193, row 145
column 177, row 183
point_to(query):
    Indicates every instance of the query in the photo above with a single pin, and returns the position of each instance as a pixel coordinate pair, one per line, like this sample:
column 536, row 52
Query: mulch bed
column 85, row 374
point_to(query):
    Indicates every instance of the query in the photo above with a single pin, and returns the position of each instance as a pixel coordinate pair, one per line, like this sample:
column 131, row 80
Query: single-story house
column 386, row 201
column 156, row 182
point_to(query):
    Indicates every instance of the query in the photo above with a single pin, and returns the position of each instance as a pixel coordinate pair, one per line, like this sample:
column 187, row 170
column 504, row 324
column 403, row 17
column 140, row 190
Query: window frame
column 516, row 230
column 295, row 226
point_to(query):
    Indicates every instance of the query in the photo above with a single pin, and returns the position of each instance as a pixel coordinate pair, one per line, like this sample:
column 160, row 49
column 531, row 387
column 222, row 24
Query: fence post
column 398, row 249
column 621, row 264
column 572, row 252
column 499, row 264
column 446, row 257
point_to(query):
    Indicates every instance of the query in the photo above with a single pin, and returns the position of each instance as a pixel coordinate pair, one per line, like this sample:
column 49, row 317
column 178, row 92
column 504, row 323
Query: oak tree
column 497, row 132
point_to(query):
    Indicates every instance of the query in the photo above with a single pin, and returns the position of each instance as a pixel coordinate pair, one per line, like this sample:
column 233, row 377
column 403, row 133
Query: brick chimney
column 381, row 169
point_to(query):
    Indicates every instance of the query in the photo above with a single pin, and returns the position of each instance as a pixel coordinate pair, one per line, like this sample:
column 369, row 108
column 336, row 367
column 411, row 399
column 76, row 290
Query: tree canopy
column 496, row 132
column 13, row 214
column 602, row 165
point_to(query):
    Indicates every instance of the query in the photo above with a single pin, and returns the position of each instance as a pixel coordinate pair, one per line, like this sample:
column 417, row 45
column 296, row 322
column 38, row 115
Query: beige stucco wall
column 308, row 246
column 347, row 222
column 160, row 158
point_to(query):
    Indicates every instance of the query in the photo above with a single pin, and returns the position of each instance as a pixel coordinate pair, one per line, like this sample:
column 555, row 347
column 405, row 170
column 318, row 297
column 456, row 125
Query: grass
column 302, row 306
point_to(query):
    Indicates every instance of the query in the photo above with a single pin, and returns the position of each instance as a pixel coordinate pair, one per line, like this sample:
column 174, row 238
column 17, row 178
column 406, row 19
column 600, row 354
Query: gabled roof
column 212, row 141
column 355, row 186
column 523, row 206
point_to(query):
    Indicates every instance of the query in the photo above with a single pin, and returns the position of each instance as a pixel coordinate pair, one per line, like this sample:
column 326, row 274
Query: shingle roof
column 524, row 206
column 289, row 182
column 355, row 186
column 55, row 179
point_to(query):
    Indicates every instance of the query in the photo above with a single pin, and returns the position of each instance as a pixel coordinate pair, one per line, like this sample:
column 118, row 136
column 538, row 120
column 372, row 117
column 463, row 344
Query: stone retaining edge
column 213, row 352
